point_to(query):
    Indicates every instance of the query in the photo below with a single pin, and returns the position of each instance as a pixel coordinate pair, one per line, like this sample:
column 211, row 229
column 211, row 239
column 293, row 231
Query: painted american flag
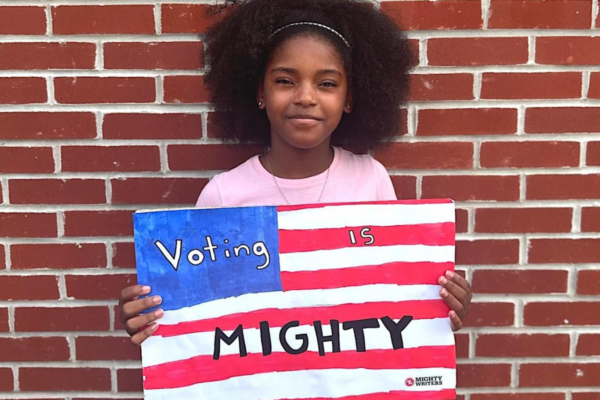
column 328, row 301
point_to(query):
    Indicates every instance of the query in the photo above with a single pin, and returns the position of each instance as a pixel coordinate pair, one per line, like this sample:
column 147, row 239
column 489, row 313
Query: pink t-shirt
column 351, row 178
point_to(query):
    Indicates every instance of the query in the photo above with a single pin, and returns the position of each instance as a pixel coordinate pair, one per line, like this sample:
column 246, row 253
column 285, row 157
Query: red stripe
column 446, row 394
column 438, row 234
column 201, row 369
column 420, row 309
column 415, row 202
column 400, row 273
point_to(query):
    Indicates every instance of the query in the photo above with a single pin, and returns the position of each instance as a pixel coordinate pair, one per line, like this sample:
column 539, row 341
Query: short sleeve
column 385, row 188
column 210, row 196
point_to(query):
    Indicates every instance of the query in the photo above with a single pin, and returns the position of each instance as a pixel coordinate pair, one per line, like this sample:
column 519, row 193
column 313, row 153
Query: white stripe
column 425, row 332
column 351, row 257
column 301, row 299
column 366, row 215
column 331, row 383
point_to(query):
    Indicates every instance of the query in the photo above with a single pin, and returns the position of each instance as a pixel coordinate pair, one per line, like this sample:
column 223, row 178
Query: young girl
column 302, row 77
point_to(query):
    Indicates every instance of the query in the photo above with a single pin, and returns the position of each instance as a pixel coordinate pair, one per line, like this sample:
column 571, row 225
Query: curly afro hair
column 377, row 65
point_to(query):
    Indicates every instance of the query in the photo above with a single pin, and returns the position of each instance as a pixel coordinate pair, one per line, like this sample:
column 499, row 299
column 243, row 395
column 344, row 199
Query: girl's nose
column 306, row 95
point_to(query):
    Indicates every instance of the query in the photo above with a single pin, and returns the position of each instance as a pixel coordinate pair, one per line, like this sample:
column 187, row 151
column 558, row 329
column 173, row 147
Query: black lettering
column 237, row 334
column 265, row 338
column 395, row 329
column 359, row 327
column 286, row 346
column 334, row 338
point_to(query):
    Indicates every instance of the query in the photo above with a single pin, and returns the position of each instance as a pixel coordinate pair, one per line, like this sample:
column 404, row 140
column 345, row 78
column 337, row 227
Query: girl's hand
column 139, row 327
column 456, row 292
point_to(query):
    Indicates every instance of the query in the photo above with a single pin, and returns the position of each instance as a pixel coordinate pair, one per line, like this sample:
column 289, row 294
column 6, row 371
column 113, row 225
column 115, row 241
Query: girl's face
column 305, row 92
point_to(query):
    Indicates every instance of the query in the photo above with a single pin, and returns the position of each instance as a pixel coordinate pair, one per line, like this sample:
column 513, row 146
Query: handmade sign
column 299, row 302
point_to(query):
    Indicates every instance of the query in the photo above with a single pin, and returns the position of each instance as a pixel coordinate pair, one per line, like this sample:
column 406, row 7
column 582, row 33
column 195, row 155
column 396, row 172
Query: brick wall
column 102, row 112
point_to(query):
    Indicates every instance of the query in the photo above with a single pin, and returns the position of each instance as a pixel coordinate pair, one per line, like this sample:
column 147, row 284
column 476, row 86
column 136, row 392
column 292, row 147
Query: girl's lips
column 304, row 122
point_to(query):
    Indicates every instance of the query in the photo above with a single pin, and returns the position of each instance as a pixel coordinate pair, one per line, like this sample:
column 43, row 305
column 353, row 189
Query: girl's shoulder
column 360, row 164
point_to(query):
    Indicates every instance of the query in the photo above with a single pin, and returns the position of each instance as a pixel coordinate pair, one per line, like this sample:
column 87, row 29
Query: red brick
column 462, row 345
column 94, row 348
column 28, row 225
column 90, row 19
column 34, row 349
column 57, row 191
column 563, row 50
column 490, row 314
column 487, row 252
column 58, row 256
column 469, row 121
column 543, row 85
column 462, row 221
column 563, row 187
column 94, row 90
column 99, row 223
column 561, row 314
column 26, row 160
column 47, row 125
column 185, row 89
column 519, row 281
column 523, row 220
column 477, row 51
column 22, row 90
column 61, row 319
column 436, row 87
column 419, row 15
column 207, row 157
column 539, row 14
column 594, row 89
column 25, row 56
column 535, row 345
column 123, row 255
column 547, row 251
column 29, row 288
column 129, row 380
column 559, row 375
column 405, row 186
column 427, row 155
column 110, row 158
column 6, row 380
column 482, row 375
column 588, row 282
column 36, row 379
column 188, row 18
column 586, row 395
column 3, row 320
column 593, row 154
column 588, row 344
column 154, row 55
column 529, row 154
column 152, row 126
column 518, row 396
column 562, row 119
column 157, row 190
column 22, row 21
column 471, row 188
column 97, row 287
column 590, row 219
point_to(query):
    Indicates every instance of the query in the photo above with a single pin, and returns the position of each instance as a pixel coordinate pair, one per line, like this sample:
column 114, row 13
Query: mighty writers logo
column 424, row 381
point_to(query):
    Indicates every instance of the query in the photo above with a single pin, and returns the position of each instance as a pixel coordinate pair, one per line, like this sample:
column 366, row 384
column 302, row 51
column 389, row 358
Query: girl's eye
column 329, row 84
column 284, row 81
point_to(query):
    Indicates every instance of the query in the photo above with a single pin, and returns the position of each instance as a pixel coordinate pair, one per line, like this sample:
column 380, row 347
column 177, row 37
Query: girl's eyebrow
column 293, row 71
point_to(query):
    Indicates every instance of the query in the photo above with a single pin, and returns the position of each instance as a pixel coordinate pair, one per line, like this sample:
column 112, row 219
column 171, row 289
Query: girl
column 303, row 77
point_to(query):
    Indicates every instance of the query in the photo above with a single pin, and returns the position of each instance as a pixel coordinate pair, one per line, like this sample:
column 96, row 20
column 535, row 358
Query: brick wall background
column 102, row 112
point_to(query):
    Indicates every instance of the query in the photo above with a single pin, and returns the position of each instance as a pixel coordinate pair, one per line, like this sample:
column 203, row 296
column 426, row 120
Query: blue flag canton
column 194, row 256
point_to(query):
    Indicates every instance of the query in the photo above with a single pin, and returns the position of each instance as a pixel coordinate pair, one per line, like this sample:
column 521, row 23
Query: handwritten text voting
column 322, row 301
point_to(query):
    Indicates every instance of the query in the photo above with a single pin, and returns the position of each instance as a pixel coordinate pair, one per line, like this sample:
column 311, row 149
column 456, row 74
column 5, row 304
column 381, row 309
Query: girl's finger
column 455, row 321
column 139, row 337
column 134, row 307
column 131, row 292
column 133, row 325
column 453, row 303
column 454, row 289
column 459, row 280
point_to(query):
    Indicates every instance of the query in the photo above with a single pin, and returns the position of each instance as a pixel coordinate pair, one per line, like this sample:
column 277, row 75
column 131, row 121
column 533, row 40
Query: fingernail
column 159, row 313
column 157, row 299
column 153, row 326
column 442, row 280
column 443, row 293
column 450, row 274
column 145, row 289
column 452, row 314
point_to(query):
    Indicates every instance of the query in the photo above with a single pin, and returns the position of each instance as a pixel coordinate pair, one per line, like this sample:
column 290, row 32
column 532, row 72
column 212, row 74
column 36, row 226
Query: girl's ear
column 348, row 103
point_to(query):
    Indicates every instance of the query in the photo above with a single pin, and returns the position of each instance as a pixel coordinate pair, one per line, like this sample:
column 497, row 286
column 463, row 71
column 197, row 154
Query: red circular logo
column 409, row 381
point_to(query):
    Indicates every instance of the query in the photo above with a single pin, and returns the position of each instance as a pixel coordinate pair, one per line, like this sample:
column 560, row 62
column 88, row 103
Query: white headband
column 313, row 24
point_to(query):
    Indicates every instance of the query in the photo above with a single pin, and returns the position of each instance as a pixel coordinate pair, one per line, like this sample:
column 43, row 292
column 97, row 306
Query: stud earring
column 348, row 106
column 260, row 103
